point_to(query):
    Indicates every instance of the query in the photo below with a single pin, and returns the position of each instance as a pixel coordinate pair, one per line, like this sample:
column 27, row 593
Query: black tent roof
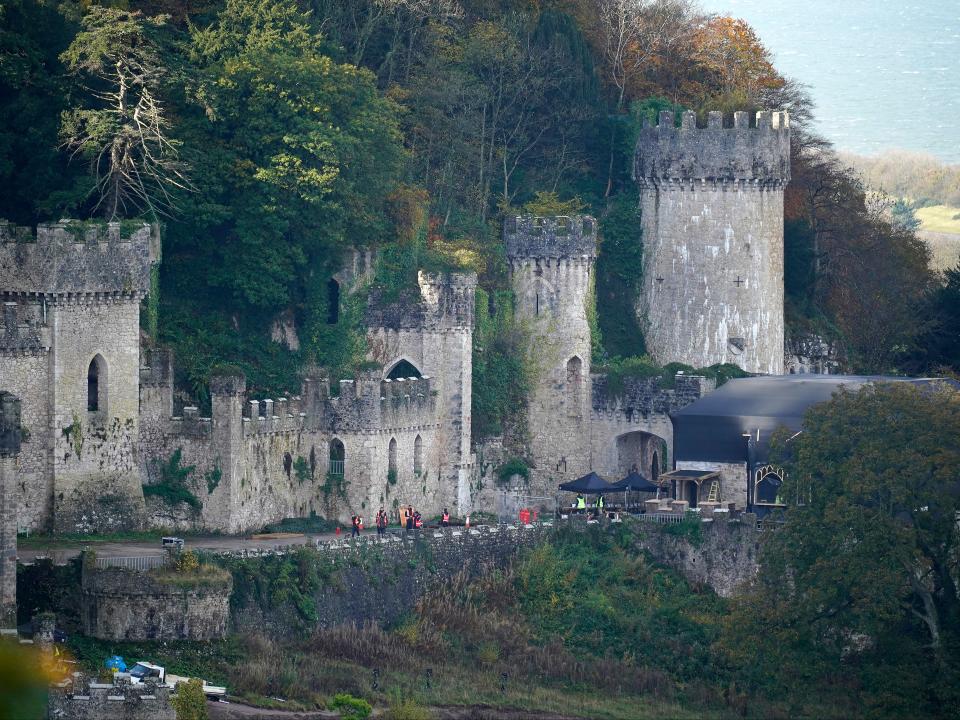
column 634, row 481
column 712, row 429
column 589, row 483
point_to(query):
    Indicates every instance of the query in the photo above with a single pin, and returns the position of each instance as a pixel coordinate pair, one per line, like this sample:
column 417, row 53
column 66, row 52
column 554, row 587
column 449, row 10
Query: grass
column 45, row 541
column 939, row 219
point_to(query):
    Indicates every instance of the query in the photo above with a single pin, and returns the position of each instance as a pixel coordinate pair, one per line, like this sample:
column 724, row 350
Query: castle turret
column 70, row 350
column 712, row 218
column 551, row 270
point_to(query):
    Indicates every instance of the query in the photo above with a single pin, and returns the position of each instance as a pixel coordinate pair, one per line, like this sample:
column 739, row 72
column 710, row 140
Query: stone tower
column 712, row 217
column 70, row 350
column 9, row 449
column 551, row 271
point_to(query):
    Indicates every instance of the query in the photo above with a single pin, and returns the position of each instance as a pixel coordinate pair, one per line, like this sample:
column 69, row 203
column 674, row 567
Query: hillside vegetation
column 272, row 136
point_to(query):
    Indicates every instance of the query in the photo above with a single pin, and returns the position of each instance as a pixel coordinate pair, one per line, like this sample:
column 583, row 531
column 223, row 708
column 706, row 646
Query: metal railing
column 662, row 518
column 138, row 562
column 336, row 467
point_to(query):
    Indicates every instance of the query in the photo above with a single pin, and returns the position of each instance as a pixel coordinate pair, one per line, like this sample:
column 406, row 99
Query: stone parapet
column 80, row 699
column 71, row 258
column 445, row 303
column 667, row 156
column 644, row 397
column 532, row 237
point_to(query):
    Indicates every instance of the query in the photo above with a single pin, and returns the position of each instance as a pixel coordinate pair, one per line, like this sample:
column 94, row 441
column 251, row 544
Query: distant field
column 939, row 219
column 944, row 247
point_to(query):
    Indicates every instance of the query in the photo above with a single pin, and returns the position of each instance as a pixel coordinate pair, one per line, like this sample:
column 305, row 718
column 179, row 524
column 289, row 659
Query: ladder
column 714, row 495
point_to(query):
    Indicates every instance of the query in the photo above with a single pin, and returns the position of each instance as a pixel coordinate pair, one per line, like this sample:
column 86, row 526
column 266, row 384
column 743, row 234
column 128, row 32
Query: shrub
column 189, row 701
column 408, row 709
column 350, row 708
column 513, row 466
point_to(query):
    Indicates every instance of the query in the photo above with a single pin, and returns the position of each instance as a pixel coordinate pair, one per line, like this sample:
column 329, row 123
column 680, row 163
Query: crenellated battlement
column 445, row 302
column 81, row 699
column 643, row 397
column 71, row 258
column 671, row 156
column 532, row 237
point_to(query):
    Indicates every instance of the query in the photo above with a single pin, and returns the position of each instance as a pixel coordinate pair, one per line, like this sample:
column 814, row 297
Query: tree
column 189, row 701
column 862, row 576
column 126, row 134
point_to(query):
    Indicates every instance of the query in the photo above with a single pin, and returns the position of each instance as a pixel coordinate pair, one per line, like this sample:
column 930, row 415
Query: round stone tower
column 712, row 217
column 551, row 266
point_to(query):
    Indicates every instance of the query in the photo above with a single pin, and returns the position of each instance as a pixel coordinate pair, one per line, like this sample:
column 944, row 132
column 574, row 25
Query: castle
column 99, row 419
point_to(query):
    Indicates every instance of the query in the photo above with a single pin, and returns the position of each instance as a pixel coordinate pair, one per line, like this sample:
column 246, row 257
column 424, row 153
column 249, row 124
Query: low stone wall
column 80, row 699
column 381, row 580
column 121, row 604
column 724, row 557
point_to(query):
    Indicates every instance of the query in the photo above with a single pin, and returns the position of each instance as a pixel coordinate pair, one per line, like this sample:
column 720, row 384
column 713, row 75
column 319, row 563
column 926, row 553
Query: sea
column 883, row 74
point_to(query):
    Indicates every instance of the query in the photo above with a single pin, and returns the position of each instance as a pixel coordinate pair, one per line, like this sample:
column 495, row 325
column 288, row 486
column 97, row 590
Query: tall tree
column 862, row 576
column 124, row 133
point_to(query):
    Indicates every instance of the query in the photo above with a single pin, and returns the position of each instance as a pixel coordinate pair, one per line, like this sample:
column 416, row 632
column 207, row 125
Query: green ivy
column 301, row 468
column 213, row 478
column 172, row 488
column 513, row 466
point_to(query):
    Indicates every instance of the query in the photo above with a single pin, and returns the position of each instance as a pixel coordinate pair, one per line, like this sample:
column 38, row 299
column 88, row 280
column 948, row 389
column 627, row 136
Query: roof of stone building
column 712, row 429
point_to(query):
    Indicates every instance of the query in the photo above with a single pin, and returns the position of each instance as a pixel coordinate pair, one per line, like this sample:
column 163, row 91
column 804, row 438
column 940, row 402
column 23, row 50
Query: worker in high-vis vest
column 581, row 502
column 599, row 502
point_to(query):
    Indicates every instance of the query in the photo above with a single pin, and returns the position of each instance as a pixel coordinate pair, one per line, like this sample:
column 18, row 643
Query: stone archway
column 638, row 451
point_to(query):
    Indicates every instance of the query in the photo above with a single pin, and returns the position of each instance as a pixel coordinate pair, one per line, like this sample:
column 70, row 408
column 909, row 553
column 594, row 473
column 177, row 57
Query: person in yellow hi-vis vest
column 581, row 502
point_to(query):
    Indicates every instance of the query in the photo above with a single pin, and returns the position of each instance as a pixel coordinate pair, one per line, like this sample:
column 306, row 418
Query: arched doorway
column 403, row 369
column 640, row 450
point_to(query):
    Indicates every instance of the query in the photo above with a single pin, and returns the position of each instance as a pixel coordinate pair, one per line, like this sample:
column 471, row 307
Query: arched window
column 418, row 456
column 392, row 460
column 768, row 481
column 338, row 457
column 655, row 467
column 403, row 369
column 333, row 302
column 97, row 385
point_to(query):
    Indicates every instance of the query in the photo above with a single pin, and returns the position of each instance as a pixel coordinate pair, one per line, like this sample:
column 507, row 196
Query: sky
column 884, row 74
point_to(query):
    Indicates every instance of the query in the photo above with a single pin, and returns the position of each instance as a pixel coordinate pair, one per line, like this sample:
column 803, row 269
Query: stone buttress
column 712, row 220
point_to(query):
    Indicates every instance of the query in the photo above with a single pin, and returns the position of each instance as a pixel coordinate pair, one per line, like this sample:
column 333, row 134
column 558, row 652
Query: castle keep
column 712, row 217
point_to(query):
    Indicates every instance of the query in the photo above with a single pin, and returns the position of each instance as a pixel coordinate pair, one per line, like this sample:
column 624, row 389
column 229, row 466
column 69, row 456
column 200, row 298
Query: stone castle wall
column 381, row 581
column 258, row 461
column 121, row 604
column 725, row 558
column 712, row 220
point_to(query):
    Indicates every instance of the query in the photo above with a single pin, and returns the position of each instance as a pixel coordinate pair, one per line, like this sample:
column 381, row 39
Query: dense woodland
column 270, row 136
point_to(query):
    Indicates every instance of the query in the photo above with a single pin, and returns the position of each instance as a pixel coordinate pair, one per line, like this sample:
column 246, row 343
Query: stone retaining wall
column 121, row 604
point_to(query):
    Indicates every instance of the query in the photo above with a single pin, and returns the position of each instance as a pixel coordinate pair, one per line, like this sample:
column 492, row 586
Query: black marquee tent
column 635, row 482
column 589, row 484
